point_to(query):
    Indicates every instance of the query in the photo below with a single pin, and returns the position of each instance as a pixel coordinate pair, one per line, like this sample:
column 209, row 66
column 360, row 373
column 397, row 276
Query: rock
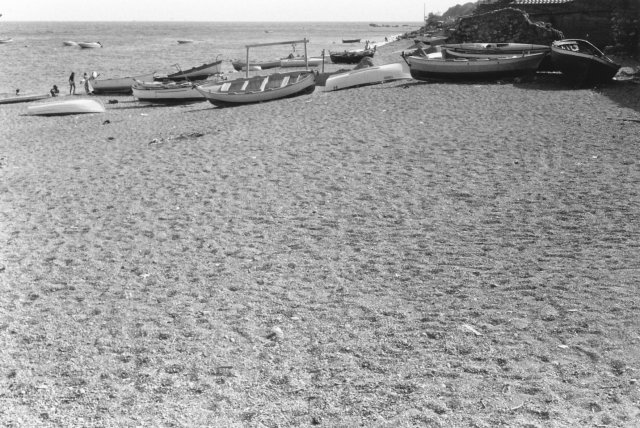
column 275, row 334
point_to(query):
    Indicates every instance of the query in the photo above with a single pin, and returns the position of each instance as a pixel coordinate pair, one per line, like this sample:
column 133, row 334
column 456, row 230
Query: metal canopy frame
column 290, row 42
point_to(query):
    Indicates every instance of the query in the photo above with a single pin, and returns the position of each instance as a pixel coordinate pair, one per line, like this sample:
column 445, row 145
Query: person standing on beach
column 72, row 83
column 85, row 79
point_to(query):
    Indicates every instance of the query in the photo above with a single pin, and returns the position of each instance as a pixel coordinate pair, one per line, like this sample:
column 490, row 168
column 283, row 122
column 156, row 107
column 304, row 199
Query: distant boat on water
column 185, row 41
column 351, row 40
column 90, row 45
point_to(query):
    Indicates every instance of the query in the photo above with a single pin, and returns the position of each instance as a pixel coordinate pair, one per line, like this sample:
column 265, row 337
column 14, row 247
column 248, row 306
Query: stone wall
column 602, row 22
column 503, row 25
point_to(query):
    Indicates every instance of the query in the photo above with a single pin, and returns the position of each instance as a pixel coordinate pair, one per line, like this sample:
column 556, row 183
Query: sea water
column 37, row 58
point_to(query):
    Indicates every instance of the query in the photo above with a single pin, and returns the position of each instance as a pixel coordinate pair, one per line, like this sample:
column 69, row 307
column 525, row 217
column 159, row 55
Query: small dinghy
column 70, row 43
column 66, row 106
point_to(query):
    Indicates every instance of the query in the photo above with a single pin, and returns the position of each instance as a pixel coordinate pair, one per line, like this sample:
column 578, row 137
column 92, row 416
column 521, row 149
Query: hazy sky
column 229, row 10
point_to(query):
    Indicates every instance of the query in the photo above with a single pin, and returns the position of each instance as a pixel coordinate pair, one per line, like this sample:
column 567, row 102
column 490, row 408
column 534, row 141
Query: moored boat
column 259, row 88
column 582, row 63
column 118, row 85
column 66, row 105
column 90, row 45
column 184, row 41
column 350, row 40
column 172, row 92
column 351, row 57
column 367, row 76
column 425, row 68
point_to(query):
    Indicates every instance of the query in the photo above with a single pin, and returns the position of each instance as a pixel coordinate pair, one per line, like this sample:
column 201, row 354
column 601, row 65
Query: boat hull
column 350, row 57
column 259, row 89
column 164, row 94
column 473, row 69
column 121, row 85
column 9, row 40
column 297, row 62
column 491, row 50
column 65, row 107
column 367, row 76
column 196, row 73
column 23, row 98
column 583, row 68
column 263, row 65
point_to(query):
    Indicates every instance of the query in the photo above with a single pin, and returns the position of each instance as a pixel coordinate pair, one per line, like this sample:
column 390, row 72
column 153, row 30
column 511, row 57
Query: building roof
column 521, row 2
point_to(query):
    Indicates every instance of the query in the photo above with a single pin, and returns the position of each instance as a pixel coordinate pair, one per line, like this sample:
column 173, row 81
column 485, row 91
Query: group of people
column 72, row 83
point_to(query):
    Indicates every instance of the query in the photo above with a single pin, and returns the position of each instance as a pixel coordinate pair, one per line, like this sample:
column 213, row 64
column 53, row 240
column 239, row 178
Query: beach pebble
column 275, row 334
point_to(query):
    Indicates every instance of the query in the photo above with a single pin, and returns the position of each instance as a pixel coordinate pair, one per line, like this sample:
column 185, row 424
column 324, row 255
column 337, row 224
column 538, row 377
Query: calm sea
column 37, row 58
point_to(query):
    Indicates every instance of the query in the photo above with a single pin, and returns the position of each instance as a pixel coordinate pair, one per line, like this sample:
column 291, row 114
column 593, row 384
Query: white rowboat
column 367, row 76
column 66, row 106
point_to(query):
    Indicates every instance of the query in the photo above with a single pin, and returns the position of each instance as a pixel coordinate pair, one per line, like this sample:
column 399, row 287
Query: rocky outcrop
column 503, row 26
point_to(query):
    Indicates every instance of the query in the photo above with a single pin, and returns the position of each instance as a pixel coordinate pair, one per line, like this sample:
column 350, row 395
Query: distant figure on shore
column 72, row 83
column 54, row 91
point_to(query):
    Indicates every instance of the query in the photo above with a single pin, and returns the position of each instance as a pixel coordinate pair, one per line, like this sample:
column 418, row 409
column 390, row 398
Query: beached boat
column 300, row 62
column 425, row 68
column 490, row 50
column 7, row 40
column 200, row 72
column 262, row 65
column 70, row 43
column 118, row 85
column 350, row 57
column 350, row 40
column 66, row 105
column 367, row 76
column 9, row 99
column 582, row 63
column 258, row 89
column 173, row 92
column 90, row 45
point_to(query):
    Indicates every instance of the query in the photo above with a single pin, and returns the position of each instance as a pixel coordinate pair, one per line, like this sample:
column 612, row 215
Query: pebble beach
column 402, row 254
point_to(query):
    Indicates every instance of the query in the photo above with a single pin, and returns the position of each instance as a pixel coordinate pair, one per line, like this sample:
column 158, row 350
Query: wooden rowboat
column 490, row 50
column 582, row 63
column 424, row 68
column 350, row 57
column 367, row 76
column 65, row 106
column 259, row 89
column 263, row 65
column 173, row 92
column 118, row 85
column 8, row 40
column 200, row 72
column 300, row 62
column 350, row 40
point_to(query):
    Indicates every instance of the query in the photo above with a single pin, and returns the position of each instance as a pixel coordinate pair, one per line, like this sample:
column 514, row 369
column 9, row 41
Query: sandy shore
column 405, row 254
